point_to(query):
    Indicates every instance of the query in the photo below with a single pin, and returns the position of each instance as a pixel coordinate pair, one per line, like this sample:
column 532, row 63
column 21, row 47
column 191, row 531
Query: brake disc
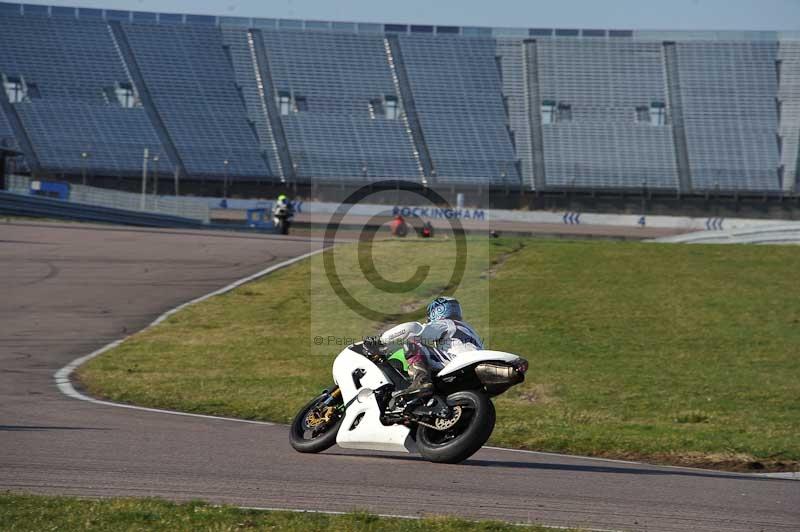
column 314, row 419
column 444, row 424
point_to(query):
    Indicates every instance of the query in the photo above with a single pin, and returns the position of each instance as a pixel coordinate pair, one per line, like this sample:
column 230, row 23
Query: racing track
column 66, row 290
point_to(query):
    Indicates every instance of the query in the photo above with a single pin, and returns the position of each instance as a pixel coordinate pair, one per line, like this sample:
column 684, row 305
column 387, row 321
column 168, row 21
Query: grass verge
column 36, row 513
column 672, row 354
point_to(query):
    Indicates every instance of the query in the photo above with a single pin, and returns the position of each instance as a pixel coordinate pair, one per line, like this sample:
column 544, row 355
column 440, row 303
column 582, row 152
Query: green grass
column 667, row 353
column 38, row 513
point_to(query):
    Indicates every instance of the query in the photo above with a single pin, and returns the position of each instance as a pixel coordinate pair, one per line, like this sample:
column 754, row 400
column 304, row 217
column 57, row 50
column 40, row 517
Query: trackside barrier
column 776, row 233
column 183, row 207
column 18, row 183
column 467, row 215
column 21, row 205
column 200, row 207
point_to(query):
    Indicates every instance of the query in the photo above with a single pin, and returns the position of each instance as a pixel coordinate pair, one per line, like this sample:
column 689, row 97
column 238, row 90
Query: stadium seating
column 336, row 135
column 71, row 63
column 603, row 145
column 193, row 88
column 236, row 41
column 728, row 93
column 67, row 59
column 5, row 128
column 316, row 101
column 456, row 86
column 789, row 97
column 510, row 52
column 113, row 138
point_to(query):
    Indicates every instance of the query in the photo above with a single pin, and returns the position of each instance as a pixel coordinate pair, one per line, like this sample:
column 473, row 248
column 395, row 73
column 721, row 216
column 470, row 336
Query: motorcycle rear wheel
column 463, row 439
column 306, row 437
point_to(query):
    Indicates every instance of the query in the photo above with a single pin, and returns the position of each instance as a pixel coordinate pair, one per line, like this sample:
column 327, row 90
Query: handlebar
column 374, row 347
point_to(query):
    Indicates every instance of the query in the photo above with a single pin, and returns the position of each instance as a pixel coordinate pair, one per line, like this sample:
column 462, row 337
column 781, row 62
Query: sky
column 783, row 15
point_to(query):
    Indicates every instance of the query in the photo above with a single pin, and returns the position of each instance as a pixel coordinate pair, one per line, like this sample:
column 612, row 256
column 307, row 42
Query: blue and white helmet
column 444, row 308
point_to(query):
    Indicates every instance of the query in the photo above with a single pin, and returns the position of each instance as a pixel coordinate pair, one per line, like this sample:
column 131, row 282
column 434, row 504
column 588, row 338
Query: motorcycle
column 282, row 215
column 363, row 410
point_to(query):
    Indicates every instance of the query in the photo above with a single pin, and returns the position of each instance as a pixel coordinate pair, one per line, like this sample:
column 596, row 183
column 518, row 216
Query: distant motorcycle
column 426, row 231
column 398, row 226
column 362, row 411
column 282, row 216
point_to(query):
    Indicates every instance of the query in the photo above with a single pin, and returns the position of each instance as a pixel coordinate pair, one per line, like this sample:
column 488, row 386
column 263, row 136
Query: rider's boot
column 421, row 384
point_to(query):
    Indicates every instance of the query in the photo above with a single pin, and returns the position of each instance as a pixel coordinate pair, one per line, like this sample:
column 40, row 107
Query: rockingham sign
column 438, row 213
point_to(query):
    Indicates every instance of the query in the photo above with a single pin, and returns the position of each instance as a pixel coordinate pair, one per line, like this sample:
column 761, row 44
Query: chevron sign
column 571, row 218
column 714, row 224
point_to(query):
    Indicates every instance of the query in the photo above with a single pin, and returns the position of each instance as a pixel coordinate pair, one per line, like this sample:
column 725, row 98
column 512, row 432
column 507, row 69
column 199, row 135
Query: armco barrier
column 22, row 205
column 183, row 207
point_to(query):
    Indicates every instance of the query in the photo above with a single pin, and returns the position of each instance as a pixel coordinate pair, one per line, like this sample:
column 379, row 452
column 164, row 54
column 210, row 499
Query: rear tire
column 319, row 442
column 466, row 437
column 492, row 417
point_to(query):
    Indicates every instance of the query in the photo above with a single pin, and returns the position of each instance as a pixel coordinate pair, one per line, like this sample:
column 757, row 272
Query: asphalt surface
column 68, row 290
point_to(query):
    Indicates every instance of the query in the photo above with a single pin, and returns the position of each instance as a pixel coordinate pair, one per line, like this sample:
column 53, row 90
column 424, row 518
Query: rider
column 282, row 202
column 441, row 339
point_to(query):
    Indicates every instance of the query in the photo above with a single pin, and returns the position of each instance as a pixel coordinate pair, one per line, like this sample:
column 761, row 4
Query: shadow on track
column 632, row 470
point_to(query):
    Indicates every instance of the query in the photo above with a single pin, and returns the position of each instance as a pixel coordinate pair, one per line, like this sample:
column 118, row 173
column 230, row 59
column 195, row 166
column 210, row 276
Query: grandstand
column 6, row 134
column 60, row 75
column 309, row 103
column 731, row 127
column 335, row 89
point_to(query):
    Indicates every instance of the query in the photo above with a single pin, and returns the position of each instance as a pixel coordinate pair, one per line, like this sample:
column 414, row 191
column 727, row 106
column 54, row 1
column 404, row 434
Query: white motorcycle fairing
column 361, row 427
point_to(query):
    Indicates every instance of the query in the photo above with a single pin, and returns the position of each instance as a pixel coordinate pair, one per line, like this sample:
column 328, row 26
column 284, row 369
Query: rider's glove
column 373, row 344
column 412, row 347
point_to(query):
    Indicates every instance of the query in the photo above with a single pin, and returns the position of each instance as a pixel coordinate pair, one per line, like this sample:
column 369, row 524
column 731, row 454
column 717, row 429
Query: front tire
column 463, row 439
column 308, row 437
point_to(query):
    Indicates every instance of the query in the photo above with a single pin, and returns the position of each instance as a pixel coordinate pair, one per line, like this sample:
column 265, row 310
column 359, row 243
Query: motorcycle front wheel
column 315, row 426
column 468, row 434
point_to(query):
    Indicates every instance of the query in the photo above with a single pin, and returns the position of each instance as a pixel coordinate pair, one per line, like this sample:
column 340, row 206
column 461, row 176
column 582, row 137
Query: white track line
column 62, row 376
column 327, row 512
column 789, row 475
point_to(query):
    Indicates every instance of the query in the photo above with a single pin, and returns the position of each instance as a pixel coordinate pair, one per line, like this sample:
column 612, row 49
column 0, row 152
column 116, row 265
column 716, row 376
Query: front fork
column 334, row 394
